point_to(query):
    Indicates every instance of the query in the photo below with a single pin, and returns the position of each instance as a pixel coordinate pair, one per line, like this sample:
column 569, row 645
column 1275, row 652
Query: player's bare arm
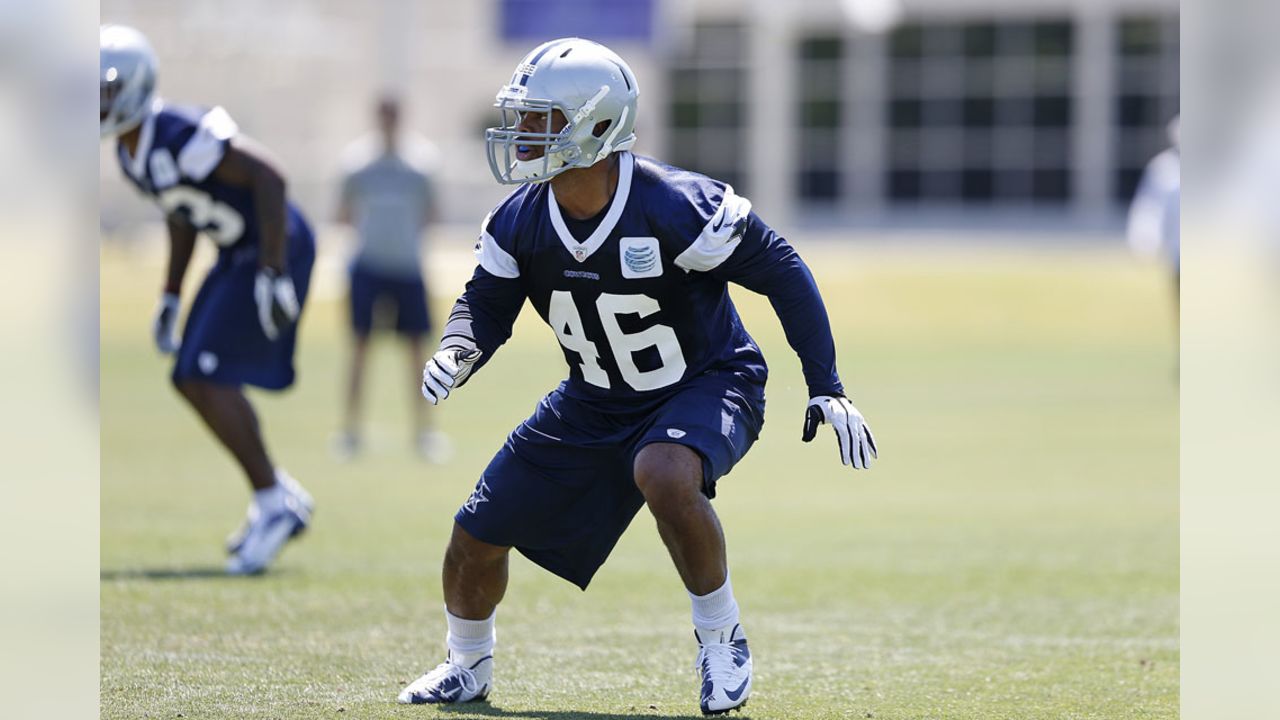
column 247, row 164
column 182, row 243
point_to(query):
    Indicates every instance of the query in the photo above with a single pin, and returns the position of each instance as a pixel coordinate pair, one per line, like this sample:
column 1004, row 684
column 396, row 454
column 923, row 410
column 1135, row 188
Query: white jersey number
column 218, row 219
column 567, row 324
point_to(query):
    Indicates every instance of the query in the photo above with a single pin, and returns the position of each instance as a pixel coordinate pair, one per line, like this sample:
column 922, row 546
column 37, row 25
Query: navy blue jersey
column 178, row 149
column 640, row 304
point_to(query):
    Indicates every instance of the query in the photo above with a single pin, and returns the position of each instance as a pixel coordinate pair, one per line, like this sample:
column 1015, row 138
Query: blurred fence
column 961, row 113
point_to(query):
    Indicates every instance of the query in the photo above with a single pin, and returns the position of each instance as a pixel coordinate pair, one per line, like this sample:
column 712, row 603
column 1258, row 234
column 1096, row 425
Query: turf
column 1014, row 554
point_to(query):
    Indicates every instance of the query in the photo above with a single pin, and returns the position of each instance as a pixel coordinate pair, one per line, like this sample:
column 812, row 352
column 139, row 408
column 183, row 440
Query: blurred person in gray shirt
column 1154, row 228
column 388, row 197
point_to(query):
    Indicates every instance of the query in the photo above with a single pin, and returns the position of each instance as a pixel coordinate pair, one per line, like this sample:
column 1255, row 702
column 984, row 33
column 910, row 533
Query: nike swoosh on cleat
column 735, row 694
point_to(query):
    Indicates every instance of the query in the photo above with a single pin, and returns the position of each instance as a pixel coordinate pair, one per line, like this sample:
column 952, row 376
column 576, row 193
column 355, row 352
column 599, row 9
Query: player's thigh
column 224, row 341
column 717, row 415
column 666, row 471
column 547, row 487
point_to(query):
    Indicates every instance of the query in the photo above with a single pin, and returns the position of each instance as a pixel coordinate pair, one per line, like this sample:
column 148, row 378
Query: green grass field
column 1014, row 554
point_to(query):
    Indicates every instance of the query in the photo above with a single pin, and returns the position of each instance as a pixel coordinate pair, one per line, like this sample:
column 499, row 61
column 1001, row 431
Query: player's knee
column 667, row 473
column 464, row 549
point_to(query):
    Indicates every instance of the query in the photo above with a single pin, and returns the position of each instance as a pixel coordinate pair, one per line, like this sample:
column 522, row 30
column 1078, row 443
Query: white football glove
column 449, row 368
column 277, row 301
column 857, row 444
column 164, row 324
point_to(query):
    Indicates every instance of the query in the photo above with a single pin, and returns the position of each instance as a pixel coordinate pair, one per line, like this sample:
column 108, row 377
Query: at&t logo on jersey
column 640, row 257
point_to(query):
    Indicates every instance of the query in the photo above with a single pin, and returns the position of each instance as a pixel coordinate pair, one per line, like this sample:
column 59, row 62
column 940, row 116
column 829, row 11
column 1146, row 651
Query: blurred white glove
column 449, row 368
column 857, row 444
column 277, row 301
column 164, row 324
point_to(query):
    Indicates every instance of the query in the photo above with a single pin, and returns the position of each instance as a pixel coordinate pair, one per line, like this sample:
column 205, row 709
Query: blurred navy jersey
column 178, row 149
column 638, row 296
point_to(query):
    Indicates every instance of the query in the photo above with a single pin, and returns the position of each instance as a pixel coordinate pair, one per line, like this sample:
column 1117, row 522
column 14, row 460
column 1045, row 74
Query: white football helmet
column 585, row 81
column 126, row 78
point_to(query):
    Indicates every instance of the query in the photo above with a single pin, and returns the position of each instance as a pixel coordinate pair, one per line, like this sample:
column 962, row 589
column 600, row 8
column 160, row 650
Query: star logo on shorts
column 477, row 497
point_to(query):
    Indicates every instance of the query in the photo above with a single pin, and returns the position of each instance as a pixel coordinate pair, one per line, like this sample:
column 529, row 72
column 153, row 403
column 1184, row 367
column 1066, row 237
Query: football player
column 628, row 261
column 208, row 178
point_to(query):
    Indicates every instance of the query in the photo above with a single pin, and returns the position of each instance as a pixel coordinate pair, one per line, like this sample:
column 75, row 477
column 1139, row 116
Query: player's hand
column 449, row 368
column 277, row 301
column 164, row 324
column 857, row 444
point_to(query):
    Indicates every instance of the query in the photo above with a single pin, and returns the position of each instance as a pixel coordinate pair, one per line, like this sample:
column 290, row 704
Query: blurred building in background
column 826, row 113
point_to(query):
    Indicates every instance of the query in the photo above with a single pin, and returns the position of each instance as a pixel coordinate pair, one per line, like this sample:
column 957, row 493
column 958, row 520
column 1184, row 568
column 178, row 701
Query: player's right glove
column 165, row 322
column 857, row 444
column 449, row 368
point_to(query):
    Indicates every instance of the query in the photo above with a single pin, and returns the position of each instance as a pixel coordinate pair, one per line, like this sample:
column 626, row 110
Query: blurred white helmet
column 585, row 81
column 126, row 78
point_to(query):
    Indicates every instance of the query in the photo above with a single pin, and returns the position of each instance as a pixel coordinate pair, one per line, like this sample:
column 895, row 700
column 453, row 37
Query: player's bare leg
column 280, row 508
column 670, row 478
column 475, row 579
column 417, row 358
column 474, row 576
column 347, row 443
column 227, row 412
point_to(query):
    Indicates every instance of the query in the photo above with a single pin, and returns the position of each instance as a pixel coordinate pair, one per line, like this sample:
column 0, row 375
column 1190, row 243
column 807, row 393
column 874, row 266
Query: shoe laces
column 445, row 670
column 717, row 658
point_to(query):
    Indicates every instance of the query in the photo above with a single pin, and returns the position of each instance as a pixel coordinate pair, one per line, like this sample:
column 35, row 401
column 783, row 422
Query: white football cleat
column 296, row 498
column 724, row 664
column 450, row 683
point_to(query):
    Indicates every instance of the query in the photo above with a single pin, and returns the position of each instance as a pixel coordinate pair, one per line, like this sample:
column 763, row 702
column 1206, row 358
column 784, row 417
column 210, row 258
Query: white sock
column 717, row 610
column 285, row 480
column 470, row 641
column 270, row 500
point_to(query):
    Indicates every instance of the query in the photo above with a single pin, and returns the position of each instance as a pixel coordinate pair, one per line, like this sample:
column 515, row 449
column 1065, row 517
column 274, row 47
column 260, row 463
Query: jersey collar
column 583, row 250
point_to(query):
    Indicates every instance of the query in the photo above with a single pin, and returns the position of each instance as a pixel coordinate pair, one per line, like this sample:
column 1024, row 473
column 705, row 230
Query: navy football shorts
column 372, row 290
column 223, row 341
column 561, row 490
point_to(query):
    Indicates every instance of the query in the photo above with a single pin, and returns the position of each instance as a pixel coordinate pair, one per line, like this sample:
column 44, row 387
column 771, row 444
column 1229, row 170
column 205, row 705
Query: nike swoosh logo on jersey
column 720, row 223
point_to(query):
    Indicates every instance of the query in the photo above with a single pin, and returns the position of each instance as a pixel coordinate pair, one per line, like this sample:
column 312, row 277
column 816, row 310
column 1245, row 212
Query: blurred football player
column 628, row 261
column 388, row 195
column 241, row 328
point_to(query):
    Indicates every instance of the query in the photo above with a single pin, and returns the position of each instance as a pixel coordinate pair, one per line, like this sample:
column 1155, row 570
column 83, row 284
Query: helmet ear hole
column 601, row 128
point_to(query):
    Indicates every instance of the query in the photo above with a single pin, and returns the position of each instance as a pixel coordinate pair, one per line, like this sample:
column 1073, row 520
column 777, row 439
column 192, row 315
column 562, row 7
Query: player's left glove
column 164, row 324
column 277, row 301
column 857, row 444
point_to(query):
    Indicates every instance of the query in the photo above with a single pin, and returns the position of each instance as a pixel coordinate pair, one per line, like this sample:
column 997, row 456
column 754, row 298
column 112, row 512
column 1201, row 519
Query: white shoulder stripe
column 494, row 259
column 203, row 151
column 717, row 241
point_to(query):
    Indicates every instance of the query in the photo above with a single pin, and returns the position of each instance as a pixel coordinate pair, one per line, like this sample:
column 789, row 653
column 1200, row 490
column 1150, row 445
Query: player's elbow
column 268, row 181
